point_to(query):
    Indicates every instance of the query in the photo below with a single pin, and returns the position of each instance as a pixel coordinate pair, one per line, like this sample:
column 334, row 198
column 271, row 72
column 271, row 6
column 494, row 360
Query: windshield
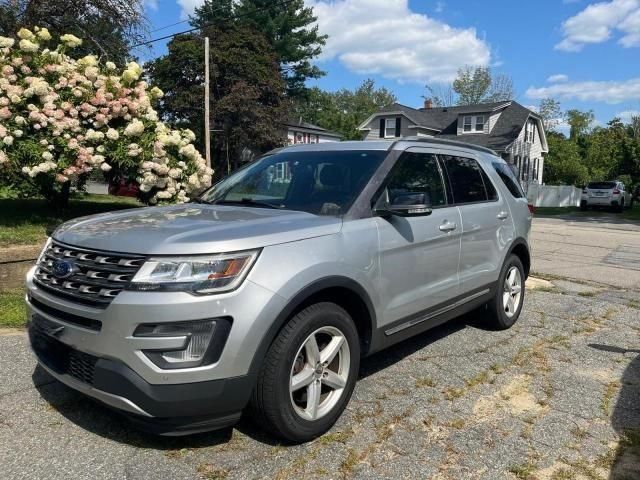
column 601, row 185
column 322, row 183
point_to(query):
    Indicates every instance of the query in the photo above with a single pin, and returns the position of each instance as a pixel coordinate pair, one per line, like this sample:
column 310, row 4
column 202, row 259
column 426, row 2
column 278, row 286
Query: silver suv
column 264, row 294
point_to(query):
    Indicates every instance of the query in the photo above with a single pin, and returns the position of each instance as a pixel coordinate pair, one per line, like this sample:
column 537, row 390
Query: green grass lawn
column 632, row 214
column 24, row 222
column 13, row 311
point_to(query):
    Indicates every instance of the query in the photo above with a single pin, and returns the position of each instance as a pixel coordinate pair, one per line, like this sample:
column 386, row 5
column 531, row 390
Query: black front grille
column 98, row 277
column 89, row 323
column 58, row 356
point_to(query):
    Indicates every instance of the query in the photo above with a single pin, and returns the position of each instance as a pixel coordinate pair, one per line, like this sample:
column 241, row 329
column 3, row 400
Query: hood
column 193, row 229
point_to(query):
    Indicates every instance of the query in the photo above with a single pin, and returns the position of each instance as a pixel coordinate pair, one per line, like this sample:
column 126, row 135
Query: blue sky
column 584, row 53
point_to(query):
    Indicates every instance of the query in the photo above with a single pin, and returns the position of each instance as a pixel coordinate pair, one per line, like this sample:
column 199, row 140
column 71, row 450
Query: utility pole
column 207, row 128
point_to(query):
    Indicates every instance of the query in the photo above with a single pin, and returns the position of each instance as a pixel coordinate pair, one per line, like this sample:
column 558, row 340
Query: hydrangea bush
column 61, row 118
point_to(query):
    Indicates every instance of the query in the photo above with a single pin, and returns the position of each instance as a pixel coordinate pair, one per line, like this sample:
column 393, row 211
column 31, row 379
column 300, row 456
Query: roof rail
column 446, row 141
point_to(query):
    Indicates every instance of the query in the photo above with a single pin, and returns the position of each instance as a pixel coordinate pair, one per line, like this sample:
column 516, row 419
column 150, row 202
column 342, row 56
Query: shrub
column 62, row 118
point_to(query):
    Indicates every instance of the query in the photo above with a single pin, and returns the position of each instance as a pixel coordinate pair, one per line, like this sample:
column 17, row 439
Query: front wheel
column 504, row 309
column 309, row 374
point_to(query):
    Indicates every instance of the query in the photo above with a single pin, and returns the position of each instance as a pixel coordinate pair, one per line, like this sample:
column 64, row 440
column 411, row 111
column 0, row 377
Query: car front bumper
column 110, row 365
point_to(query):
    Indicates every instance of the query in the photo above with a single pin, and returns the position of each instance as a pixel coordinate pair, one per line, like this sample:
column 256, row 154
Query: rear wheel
column 583, row 206
column 620, row 207
column 309, row 374
column 504, row 309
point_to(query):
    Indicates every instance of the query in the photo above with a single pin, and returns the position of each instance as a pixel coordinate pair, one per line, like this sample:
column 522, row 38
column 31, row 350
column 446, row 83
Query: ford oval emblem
column 63, row 268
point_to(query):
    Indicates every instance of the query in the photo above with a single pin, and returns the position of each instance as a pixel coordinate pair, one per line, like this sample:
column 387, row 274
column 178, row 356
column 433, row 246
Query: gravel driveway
column 556, row 397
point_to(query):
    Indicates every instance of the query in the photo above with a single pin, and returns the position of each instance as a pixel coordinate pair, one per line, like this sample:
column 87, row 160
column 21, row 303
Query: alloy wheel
column 512, row 291
column 319, row 373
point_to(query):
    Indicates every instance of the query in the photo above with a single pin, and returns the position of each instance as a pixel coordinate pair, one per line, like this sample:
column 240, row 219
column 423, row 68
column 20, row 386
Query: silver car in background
column 262, row 295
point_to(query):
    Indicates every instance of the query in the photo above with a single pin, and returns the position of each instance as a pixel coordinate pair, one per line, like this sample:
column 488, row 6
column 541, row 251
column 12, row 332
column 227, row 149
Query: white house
column 301, row 132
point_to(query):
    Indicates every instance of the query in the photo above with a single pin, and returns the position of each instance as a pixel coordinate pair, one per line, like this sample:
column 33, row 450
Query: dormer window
column 390, row 127
column 530, row 132
column 473, row 124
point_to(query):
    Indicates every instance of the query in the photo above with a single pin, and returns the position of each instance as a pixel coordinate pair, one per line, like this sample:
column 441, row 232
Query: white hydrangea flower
column 47, row 156
column 8, row 140
column 70, row 41
column 6, row 42
column 112, row 134
column 26, row 34
column 134, row 129
column 105, row 167
column 28, row 45
column 110, row 66
column 43, row 34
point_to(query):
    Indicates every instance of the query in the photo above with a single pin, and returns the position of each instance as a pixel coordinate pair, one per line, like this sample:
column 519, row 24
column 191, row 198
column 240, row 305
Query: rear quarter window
column 508, row 178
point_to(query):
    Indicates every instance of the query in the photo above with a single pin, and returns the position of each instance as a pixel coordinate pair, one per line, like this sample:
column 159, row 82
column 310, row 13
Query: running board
column 437, row 313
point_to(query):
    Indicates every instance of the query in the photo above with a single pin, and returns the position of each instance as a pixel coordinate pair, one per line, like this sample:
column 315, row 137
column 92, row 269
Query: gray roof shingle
column 445, row 120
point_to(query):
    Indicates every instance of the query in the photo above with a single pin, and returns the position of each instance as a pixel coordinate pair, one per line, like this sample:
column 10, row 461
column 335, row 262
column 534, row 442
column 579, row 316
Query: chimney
column 428, row 103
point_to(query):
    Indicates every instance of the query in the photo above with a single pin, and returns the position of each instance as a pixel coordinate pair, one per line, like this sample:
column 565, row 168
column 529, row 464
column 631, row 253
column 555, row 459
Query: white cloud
column 188, row 6
column 597, row 21
column 151, row 4
column 384, row 37
column 627, row 114
column 558, row 78
column 601, row 91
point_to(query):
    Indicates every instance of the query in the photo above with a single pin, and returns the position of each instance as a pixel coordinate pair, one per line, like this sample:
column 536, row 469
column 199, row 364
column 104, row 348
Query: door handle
column 503, row 215
column 448, row 226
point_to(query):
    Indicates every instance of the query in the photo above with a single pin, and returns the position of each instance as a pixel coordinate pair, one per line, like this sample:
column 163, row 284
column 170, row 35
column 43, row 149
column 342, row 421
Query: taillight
column 532, row 208
column 616, row 191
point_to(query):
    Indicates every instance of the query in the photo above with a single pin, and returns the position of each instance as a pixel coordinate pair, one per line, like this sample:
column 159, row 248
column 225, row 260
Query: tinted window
column 508, row 178
column 601, row 185
column 466, row 180
column 414, row 180
column 324, row 183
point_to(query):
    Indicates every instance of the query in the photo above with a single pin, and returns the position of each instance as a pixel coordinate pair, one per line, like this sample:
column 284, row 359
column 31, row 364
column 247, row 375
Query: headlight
column 197, row 274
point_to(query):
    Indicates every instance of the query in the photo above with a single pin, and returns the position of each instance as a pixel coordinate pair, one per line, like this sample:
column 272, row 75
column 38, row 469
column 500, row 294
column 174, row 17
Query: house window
column 390, row 127
column 530, row 132
column 473, row 124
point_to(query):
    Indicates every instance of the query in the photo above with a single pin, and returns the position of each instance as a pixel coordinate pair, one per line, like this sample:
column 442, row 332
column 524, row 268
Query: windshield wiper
column 249, row 202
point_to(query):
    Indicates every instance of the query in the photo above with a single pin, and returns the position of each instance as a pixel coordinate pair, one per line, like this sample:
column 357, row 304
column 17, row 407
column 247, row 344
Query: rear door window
column 465, row 176
column 508, row 178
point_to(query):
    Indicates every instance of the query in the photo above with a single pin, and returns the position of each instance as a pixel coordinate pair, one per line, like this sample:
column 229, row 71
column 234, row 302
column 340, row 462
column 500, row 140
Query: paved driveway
column 597, row 247
column 551, row 398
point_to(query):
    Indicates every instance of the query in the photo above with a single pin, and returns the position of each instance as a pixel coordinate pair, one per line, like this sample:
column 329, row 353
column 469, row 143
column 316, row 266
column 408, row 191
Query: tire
column 583, row 206
column 499, row 317
column 620, row 207
column 286, row 414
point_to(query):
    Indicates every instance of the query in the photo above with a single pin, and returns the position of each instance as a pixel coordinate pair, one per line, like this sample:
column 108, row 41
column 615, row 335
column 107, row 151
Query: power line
column 169, row 26
column 232, row 17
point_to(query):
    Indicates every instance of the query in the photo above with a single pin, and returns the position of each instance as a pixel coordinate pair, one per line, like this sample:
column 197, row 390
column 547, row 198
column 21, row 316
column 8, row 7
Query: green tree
column 609, row 151
column 343, row 111
column 579, row 122
column 289, row 27
column 551, row 113
column 563, row 165
column 247, row 92
column 108, row 27
column 472, row 85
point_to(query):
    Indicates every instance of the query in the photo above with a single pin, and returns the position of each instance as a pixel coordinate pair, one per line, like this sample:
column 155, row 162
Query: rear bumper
column 174, row 409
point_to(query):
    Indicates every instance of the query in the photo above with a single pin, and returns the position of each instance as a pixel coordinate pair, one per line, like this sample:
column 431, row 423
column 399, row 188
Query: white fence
column 554, row 195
